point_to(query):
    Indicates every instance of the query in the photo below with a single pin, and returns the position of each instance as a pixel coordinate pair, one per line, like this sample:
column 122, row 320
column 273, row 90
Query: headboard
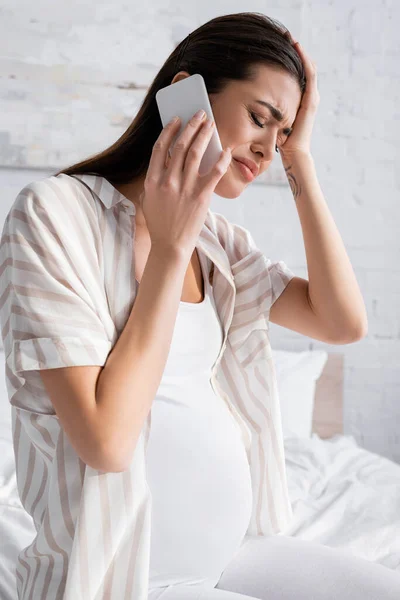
column 328, row 406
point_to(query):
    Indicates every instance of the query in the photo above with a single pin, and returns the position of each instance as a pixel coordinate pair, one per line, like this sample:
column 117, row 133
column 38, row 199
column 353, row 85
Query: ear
column 179, row 76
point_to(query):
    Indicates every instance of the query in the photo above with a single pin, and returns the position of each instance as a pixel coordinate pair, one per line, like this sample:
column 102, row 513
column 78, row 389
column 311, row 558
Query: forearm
column 129, row 381
column 333, row 289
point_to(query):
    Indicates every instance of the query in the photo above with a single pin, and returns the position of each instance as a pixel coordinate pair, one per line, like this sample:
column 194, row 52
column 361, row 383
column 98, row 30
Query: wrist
column 298, row 156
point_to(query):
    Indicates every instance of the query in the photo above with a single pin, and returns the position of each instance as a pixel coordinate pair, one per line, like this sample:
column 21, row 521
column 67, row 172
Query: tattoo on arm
column 294, row 185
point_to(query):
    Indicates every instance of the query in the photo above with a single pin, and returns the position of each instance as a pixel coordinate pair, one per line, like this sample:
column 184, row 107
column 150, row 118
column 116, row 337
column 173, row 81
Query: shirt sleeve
column 280, row 275
column 243, row 245
column 50, row 286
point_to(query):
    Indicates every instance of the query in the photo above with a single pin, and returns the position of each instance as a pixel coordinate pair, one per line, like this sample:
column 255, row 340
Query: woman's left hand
column 299, row 141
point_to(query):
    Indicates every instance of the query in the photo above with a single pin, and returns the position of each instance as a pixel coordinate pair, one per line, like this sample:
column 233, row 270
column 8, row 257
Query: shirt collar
column 208, row 241
column 105, row 191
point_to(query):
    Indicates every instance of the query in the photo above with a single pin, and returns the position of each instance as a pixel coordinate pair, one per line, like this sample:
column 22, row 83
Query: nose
column 266, row 151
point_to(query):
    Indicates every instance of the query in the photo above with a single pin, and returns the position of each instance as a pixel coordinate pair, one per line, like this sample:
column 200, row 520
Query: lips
column 249, row 163
column 244, row 170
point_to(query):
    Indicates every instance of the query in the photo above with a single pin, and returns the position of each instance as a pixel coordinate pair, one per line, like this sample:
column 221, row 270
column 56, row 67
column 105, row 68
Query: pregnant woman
column 146, row 419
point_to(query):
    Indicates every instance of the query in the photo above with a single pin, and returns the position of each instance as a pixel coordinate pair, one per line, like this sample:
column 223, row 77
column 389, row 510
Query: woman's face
column 235, row 110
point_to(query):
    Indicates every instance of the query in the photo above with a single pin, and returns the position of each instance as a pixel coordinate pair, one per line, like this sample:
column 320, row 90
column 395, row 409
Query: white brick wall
column 66, row 92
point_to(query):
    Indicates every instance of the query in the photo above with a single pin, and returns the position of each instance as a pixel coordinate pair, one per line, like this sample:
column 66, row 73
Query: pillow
column 297, row 374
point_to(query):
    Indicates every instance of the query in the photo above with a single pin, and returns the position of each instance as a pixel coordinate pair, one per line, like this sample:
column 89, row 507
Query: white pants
column 286, row 568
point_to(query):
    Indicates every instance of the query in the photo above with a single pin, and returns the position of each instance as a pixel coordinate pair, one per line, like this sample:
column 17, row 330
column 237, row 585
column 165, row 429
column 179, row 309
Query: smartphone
column 183, row 99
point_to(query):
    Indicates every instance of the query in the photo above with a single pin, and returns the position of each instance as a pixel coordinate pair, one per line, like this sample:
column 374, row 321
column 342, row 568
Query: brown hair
column 226, row 48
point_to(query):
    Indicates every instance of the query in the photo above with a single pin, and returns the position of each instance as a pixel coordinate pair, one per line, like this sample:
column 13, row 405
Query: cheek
column 233, row 129
column 229, row 134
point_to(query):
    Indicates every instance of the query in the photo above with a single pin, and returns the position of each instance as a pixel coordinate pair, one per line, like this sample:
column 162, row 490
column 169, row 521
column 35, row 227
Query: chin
column 229, row 186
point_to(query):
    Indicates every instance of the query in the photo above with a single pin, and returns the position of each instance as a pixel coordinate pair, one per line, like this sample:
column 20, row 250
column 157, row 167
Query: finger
column 209, row 181
column 183, row 143
column 196, row 151
column 160, row 150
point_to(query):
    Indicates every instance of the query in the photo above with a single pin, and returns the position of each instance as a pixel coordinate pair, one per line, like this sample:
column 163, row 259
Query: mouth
column 244, row 170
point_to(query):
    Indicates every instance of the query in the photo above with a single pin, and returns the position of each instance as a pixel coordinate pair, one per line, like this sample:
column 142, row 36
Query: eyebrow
column 277, row 115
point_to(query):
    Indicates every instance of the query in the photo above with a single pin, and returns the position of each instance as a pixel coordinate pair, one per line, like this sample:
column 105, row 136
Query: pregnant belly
column 200, row 483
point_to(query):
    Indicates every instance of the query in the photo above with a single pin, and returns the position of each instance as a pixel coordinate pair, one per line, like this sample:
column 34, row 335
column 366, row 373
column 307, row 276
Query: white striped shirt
column 67, row 288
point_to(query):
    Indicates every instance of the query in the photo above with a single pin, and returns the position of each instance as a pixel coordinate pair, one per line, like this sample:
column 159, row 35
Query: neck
column 132, row 192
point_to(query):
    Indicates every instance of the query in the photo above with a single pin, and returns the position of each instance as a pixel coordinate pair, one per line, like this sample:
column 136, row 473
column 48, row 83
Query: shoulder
column 55, row 203
column 55, row 192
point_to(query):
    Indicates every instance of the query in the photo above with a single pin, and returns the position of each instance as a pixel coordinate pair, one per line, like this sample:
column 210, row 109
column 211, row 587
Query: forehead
column 274, row 86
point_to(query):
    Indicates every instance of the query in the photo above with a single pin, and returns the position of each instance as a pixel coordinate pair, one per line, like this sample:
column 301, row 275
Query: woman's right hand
column 176, row 198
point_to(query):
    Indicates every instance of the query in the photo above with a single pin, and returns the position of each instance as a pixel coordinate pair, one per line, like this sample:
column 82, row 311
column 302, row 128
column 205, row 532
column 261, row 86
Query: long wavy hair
column 229, row 47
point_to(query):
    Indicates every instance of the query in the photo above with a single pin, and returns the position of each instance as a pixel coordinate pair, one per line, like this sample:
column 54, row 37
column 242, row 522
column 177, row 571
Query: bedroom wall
column 73, row 76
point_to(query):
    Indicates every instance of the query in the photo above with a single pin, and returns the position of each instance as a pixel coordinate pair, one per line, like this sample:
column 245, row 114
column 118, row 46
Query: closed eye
column 257, row 122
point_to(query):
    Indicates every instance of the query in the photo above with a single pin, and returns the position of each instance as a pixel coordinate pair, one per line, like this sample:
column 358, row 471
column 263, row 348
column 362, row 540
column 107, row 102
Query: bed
column 342, row 495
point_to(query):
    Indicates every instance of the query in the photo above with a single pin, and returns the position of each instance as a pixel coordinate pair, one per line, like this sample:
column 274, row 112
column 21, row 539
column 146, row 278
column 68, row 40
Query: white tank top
column 197, row 467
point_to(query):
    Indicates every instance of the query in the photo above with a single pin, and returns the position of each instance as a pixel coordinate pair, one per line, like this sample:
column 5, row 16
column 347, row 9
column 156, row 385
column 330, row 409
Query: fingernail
column 200, row 114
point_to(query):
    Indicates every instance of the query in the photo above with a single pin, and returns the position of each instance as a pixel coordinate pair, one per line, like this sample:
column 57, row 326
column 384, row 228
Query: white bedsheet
column 342, row 496
column 345, row 496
